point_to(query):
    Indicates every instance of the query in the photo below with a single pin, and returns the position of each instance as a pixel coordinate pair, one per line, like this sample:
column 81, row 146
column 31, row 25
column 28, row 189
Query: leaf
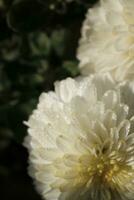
column 71, row 67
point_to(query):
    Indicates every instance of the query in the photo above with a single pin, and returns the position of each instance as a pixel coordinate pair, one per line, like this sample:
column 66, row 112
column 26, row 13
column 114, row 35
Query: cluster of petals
column 107, row 42
column 81, row 140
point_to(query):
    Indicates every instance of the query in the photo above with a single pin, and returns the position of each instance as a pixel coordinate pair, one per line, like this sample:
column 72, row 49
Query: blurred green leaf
column 40, row 44
column 71, row 67
column 58, row 40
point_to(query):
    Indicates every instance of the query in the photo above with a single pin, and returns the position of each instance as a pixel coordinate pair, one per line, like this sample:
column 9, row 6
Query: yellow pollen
column 105, row 169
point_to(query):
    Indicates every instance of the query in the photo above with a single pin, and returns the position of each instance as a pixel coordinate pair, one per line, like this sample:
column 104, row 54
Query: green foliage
column 38, row 42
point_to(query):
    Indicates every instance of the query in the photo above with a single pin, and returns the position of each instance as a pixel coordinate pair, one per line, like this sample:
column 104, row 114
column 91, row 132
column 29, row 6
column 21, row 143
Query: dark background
column 38, row 42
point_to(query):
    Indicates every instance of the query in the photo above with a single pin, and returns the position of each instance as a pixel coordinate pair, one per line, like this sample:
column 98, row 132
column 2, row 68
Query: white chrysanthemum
column 81, row 141
column 107, row 43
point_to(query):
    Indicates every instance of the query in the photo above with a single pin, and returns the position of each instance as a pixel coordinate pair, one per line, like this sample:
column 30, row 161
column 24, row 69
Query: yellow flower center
column 107, row 169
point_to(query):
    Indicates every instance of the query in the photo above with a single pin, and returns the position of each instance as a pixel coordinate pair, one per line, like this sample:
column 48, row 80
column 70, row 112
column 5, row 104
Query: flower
column 81, row 140
column 107, row 42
